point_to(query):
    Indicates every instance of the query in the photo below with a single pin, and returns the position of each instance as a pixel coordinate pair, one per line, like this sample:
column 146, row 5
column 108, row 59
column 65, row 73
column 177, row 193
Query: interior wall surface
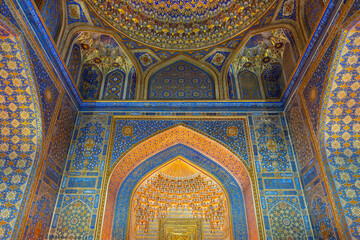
column 30, row 174
column 322, row 103
column 259, row 139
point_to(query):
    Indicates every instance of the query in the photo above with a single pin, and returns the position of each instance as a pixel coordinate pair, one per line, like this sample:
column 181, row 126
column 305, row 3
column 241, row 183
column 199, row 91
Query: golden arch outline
column 197, row 168
column 244, row 176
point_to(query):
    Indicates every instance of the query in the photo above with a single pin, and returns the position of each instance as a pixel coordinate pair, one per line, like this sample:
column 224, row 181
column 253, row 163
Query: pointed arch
column 249, row 85
column 339, row 117
column 211, row 149
column 233, row 204
column 162, row 65
column 298, row 42
column 20, row 104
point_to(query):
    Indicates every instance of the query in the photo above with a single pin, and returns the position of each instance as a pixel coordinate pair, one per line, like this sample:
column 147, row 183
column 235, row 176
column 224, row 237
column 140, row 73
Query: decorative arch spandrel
column 244, row 176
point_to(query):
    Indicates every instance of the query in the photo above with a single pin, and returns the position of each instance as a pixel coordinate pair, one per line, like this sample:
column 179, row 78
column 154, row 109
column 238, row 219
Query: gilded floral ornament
column 180, row 24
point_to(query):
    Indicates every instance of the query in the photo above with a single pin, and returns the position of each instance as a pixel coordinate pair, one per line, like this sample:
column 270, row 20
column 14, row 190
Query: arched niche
column 107, row 57
column 249, row 85
column 181, row 172
column 220, row 156
column 90, row 82
column 181, row 81
column 218, row 94
column 263, row 47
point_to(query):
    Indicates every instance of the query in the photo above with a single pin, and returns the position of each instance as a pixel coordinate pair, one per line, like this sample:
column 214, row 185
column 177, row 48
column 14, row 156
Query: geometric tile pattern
column 41, row 218
column 74, row 61
column 218, row 59
column 271, row 145
column 89, row 146
column 74, row 221
column 132, row 84
column 114, row 84
column 18, row 129
column 181, row 80
column 272, row 80
column 249, row 85
column 285, row 221
column 145, row 59
column 342, row 129
column 62, row 134
column 90, row 82
column 231, row 133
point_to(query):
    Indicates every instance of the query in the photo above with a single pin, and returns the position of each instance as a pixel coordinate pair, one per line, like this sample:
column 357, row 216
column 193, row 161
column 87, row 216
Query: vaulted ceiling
column 247, row 49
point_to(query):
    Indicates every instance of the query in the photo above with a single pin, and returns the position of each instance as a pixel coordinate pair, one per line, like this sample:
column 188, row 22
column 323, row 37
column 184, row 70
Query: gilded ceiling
column 180, row 24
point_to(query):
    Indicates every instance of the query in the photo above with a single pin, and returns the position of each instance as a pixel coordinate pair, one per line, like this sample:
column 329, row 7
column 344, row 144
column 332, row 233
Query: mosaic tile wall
column 314, row 89
column 20, row 128
column 181, row 80
column 322, row 217
column 341, row 139
column 39, row 220
column 30, row 177
column 277, row 173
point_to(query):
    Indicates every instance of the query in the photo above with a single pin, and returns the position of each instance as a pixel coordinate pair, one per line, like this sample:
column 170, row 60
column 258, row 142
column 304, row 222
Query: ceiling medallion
column 180, row 24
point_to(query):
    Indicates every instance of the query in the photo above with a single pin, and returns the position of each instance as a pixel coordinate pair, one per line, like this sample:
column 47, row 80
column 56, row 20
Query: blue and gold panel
column 75, row 218
column 74, row 61
column 145, row 59
column 90, row 82
column 238, row 217
column 50, row 12
column 288, row 10
column 249, row 85
column 89, row 146
column 114, row 85
column 272, row 77
column 181, row 81
column 75, row 12
column 218, row 59
column 286, row 220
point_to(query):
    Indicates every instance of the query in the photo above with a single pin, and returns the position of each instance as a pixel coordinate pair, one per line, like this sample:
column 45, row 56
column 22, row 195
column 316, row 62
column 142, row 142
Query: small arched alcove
column 179, row 199
column 181, row 81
